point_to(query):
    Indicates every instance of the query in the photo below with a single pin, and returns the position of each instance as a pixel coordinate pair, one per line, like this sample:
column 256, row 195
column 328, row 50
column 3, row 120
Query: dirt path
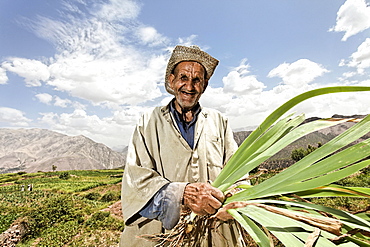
column 115, row 210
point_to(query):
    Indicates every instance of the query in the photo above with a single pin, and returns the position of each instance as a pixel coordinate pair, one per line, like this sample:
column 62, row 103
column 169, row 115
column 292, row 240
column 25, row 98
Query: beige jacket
column 158, row 154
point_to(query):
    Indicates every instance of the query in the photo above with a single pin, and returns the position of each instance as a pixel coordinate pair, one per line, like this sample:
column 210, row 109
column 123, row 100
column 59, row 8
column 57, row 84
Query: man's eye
column 183, row 78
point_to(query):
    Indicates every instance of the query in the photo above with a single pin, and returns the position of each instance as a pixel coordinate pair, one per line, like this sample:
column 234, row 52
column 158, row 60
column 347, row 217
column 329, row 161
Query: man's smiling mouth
column 188, row 93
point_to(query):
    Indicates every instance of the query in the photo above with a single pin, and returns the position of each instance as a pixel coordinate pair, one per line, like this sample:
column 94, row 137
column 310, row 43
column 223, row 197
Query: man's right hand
column 203, row 198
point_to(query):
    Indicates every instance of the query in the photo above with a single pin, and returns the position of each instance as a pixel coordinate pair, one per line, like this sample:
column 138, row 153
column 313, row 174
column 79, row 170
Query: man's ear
column 171, row 78
column 205, row 85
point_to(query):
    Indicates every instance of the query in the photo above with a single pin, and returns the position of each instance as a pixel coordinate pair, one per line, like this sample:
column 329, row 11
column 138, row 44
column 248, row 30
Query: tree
column 297, row 154
column 300, row 153
column 54, row 167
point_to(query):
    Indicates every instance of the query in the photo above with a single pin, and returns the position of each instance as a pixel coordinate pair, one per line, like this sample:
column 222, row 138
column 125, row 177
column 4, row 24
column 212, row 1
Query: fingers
column 216, row 193
column 202, row 198
column 223, row 215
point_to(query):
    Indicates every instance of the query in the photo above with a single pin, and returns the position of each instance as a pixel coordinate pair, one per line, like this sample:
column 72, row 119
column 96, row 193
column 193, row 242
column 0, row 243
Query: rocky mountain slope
column 33, row 150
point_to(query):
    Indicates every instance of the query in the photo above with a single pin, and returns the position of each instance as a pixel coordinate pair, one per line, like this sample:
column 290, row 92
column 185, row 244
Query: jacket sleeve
column 165, row 206
column 140, row 180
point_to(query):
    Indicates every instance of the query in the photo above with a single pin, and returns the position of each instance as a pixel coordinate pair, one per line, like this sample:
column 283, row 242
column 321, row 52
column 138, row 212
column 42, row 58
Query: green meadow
column 66, row 208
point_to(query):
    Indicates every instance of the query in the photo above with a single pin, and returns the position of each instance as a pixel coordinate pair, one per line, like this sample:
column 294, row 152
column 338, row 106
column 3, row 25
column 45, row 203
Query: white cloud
column 33, row 71
column 299, row 73
column 126, row 80
column 353, row 17
column 238, row 81
column 113, row 131
column 128, row 116
column 216, row 98
column 57, row 101
column 248, row 110
column 96, row 59
column 187, row 41
column 3, row 76
column 13, row 117
column 347, row 75
column 118, row 10
column 44, row 98
column 107, row 58
column 361, row 58
column 61, row 102
column 150, row 36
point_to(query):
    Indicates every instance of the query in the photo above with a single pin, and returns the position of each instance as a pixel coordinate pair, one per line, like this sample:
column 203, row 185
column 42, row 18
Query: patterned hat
column 192, row 53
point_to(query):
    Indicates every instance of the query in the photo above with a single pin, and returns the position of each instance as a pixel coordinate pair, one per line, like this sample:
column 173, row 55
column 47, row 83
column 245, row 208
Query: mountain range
column 33, row 150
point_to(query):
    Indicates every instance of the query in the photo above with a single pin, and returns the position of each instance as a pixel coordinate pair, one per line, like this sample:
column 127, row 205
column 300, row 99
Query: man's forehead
column 187, row 66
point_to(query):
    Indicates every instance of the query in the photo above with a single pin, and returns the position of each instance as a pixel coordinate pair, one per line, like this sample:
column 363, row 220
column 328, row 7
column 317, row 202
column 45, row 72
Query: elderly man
column 174, row 151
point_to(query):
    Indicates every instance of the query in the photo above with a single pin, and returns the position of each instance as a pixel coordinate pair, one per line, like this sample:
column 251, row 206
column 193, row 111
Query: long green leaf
column 271, row 119
column 316, row 169
column 272, row 222
column 247, row 146
column 254, row 231
column 342, row 159
column 279, row 227
column 296, row 172
column 335, row 191
column 244, row 153
column 290, row 232
column 274, row 116
column 328, row 178
column 247, row 165
column 343, row 216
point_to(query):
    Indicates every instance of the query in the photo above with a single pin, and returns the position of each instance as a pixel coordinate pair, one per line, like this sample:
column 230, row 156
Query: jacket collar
column 166, row 109
column 166, row 113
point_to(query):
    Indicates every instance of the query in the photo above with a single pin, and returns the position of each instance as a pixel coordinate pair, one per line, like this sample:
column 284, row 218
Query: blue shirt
column 187, row 129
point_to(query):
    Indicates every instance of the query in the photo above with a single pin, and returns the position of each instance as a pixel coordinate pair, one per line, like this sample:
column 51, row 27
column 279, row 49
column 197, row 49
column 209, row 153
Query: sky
column 83, row 67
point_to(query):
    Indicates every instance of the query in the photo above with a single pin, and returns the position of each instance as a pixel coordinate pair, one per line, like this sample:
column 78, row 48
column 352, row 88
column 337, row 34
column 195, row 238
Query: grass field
column 65, row 208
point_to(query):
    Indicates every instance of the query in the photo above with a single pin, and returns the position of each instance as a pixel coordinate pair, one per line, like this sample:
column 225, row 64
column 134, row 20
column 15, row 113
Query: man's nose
column 189, row 84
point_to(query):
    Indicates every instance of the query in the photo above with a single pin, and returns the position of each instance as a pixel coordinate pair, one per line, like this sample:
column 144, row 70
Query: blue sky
column 93, row 67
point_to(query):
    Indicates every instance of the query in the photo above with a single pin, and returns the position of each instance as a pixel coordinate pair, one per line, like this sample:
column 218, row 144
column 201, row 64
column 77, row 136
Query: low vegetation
column 62, row 208
column 68, row 212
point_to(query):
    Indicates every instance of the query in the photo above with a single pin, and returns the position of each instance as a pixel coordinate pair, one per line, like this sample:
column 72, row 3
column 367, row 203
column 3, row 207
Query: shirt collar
column 197, row 109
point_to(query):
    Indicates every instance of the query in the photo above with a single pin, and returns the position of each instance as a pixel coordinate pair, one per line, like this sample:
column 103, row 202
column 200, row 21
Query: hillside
column 33, row 150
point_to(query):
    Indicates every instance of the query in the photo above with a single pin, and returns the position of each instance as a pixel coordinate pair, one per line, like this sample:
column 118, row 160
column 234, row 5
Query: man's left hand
column 203, row 198
column 223, row 215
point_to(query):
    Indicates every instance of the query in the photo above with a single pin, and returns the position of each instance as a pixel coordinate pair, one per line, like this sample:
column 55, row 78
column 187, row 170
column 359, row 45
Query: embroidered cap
column 192, row 53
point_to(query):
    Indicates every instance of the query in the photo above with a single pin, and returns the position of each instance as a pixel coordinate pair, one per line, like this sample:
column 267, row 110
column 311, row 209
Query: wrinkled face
column 188, row 84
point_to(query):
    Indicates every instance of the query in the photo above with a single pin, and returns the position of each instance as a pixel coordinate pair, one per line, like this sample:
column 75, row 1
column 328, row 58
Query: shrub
column 64, row 175
column 110, row 196
column 61, row 208
column 103, row 220
column 59, row 234
column 6, row 220
column 92, row 196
